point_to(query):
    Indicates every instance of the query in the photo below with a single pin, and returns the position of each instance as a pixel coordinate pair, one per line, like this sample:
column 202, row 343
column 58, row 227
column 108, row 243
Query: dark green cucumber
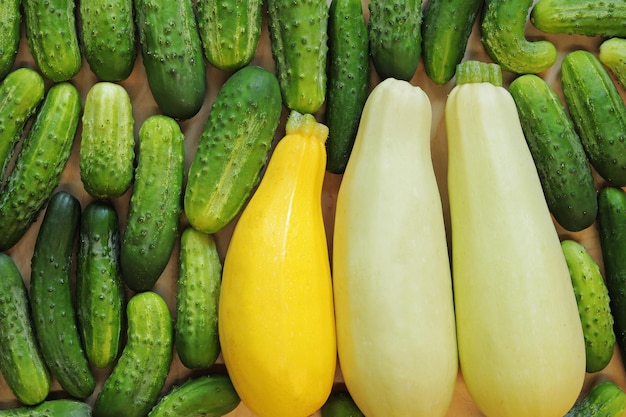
column 155, row 204
column 395, row 37
column 107, row 147
column 604, row 399
column 21, row 92
column 52, row 34
column 562, row 164
column 348, row 79
column 51, row 408
column 502, row 33
column 592, row 298
column 38, row 167
column 580, row 17
column 446, row 29
column 100, row 292
column 197, row 295
column 10, row 20
column 172, row 55
column 233, row 148
column 230, row 31
column 612, row 54
column 133, row 387
column 598, row 112
column 298, row 33
column 108, row 36
column 53, row 311
column 208, row 396
column 21, row 363
column 340, row 404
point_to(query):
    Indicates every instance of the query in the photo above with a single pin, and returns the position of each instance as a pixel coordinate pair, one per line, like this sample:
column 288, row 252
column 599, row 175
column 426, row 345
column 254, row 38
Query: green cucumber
column 598, row 112
column 348, row 79
column 172, row 55
column 592, row 298
column 100, row 292
column 604, row 399
column 53, row 311
column 580, row 17
column 208, row 396
column 446, row 29
column 502, row 33
column 197, row 294
column 133, row 387
column 10, row 20
column 340, row 404
column 155, row 203
column 107, row 147
column 51, row 408
column 298, row 34
column 52, row 35
column 230, row 31
column 395, row 37
column 233, row 148
column 612, row 54
column 562, row 164
column 38, row 167
column 21, row 363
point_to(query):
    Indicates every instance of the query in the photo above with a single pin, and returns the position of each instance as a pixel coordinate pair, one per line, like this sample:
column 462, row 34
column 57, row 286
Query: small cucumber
column 562, row 164
column 133, row 387
column 612, row 54
column 340, row 404
column 581, row 17
column 155, row 204
column 51, row 408
column 605, row 399
column 21, row 363
column 100, row 292
column 38, row 167
column 53, row 311
column 172, row 55
column 593, row 305
column 107, row 147
column 395, row 37
column 208, row 396
column 10, row 20
column 598, row 112
column 233, row 148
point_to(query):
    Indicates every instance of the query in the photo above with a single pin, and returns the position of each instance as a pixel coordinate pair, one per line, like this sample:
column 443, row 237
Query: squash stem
column 306, row 125
column 473, row 71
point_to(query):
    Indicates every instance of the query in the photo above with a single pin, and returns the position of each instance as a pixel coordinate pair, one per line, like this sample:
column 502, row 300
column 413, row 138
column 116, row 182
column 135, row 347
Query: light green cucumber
column 604, row 399
column 612, row 54
column 580, row 17
column 51, row 408
column 340, row 404
column 10, row 20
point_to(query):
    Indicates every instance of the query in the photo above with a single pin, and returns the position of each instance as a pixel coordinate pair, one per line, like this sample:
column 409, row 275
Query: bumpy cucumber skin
column 605, row 399
column 348, row 79
column 301, row 70
column 10, row 19
column 155, row 204
column 502, row 30
column 612, row 54
column 52, row 34
column 209, row 396
column 108, row 37
column 37, row 171
column 100, row 292
column 52, row 307
column 598, row 112
column 233, row 148
column 593, row 301
column 562, row 164
column 51, row 408
column 446, row 28
column 230, row 31
column 21, row 363
column 172, row 55
column 340, row 404
column 132, row 388
column 596, row 18
column 107, row 147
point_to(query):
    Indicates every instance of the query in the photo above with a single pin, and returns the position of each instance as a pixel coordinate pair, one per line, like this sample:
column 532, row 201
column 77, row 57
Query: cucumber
column 10, row 20
column 108, row 37
column 598, row 112
column 51, row 408
column 197, row 295
column 612, row 53
column 230, row 31
column 581, row 17
column 340, row 404
column 395, row 37
column 562, row 164
column 52, row 35
column 593, row 305
column 21, row 363
column 348, row 79
column 233, row 148
column 172, row 55
column 301, row 70
column 38, row 167
column 604, row 399
column 132, row 388
column 53, row 311
column 107, row 147
column 502, row 33
column 155, row 204
column 446, row 28
column 100, row 292
column 208, row 395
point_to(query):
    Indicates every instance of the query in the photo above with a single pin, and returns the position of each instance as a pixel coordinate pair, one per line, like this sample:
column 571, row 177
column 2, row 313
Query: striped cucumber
column 591, row 18
column 612, row 54
column 10, row 19
column 51, row 408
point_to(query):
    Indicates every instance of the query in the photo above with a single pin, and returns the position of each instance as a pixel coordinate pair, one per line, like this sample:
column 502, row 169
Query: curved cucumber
column 51, row 408
column 10, row 19
column 582, row 17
